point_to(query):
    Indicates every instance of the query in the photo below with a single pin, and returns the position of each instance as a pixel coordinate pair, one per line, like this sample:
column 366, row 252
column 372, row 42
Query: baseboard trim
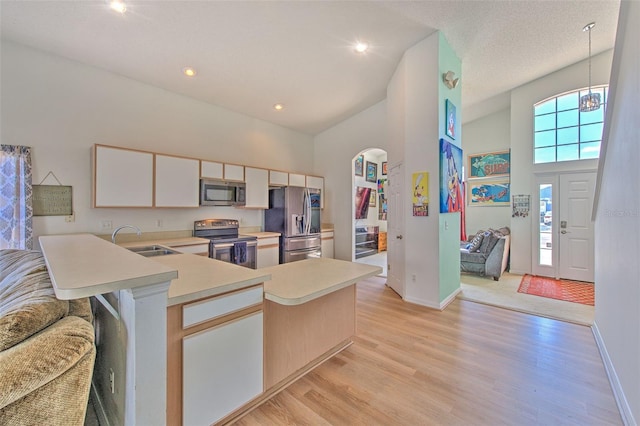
column 98, row 406
column 450, row 299
column 618, row 392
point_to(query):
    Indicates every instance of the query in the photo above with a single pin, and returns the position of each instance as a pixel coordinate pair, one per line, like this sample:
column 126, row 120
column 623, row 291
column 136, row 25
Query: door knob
column 564, row 231
column 399, row 237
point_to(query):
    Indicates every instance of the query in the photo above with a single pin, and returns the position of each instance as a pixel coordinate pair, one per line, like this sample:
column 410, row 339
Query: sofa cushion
column 27, row 301
column 488, row 242
column 476, row 257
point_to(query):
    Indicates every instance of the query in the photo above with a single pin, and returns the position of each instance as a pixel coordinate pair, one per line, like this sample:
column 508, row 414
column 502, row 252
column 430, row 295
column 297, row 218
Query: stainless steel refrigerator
column 294, row 212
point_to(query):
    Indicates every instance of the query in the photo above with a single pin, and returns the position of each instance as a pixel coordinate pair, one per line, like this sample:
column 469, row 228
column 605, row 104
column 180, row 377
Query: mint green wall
column 449, row 241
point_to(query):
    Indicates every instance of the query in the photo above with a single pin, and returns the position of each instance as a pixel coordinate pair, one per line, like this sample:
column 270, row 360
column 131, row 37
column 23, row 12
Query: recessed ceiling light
column 189, row 72
column 278, row 107
column 118, row 6
column 361, row 47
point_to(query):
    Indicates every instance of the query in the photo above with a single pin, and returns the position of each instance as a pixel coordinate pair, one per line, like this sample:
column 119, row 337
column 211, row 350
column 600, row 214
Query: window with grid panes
column 563, row 133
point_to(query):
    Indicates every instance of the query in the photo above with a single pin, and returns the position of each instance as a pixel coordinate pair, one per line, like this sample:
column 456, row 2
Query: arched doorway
column 369, row 208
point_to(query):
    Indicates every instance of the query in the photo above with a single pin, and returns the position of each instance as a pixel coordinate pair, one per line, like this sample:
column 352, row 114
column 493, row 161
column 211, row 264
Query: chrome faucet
column 113, row 236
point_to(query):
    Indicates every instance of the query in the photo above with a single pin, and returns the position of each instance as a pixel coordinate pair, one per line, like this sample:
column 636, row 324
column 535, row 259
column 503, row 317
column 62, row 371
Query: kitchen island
column 213, row 330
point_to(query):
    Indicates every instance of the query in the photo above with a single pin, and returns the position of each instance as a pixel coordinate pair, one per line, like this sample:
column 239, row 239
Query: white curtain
column 16, row 191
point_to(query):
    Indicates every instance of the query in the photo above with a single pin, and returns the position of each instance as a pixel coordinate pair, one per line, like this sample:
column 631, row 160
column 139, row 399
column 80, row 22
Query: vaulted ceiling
column 250, row 55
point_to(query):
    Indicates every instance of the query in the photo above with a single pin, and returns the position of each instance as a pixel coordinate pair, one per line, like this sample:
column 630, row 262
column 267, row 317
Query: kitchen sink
column 154, row 250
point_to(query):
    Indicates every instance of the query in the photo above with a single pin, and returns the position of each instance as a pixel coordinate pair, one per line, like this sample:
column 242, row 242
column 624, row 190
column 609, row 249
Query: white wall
column 488, row 134
column 617, row 227
column 61, row 108
column 334, row 151
column 522, row 168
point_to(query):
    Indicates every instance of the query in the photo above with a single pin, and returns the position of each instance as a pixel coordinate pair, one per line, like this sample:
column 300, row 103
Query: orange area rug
column 569, row 291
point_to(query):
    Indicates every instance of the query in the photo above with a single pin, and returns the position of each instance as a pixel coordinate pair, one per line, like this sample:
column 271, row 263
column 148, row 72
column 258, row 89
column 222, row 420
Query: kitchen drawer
column 193, row 249
column 216, row 307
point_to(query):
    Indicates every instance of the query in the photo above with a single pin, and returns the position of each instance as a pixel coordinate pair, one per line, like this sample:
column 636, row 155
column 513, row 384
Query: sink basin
column 154, row 250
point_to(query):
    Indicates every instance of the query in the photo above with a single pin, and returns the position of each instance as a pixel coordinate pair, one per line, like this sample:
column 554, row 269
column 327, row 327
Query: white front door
column 575, row 226
column 395, row 230
column 564, row 247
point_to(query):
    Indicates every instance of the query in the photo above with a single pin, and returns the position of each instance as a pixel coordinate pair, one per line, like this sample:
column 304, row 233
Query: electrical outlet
column 413, row 278
column 71, row 217
column 106, row 225
column 158, row 223
column 112, row 381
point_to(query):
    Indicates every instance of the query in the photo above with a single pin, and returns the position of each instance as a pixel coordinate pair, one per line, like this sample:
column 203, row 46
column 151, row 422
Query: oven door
column 224, row 252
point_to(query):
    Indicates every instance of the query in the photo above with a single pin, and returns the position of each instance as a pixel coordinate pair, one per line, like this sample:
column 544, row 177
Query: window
column 15, row 197
column 563, row 133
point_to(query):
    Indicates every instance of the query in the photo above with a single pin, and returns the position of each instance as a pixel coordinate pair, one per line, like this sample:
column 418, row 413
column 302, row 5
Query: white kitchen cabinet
column 234, row 172
column 326, row 238
column 257, row 186
column 316, row 182
column 122, row 177
column 268, row 252
column 177, row 181
column 201, row 249
column 278, row 178
column 211, row 170
column 297, row 180
column 222, row 369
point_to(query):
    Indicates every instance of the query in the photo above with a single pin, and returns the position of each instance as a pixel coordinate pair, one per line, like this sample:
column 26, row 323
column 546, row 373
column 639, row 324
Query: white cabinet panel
column 218, row 306
column 257, row 181
column 177, row 181
column 122, row 177
column 222, row 369
column 211, row 169
column 202, row 249
column 268, row 252
column 234, row 172
column 327, row 243
column 297, row 180
column 318, row 183
column 278, row 178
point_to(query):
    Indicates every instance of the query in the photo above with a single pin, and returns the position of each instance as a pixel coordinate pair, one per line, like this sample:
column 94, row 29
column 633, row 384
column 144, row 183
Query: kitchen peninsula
column 304, row 312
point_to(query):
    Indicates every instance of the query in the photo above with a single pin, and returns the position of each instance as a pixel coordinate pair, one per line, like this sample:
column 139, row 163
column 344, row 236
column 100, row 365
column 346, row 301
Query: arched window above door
column 562, row 132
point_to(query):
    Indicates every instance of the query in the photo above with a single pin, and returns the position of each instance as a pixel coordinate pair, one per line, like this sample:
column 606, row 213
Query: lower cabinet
column 327, row 244
column 222, row 369
column 268, row 252
column 215, row 353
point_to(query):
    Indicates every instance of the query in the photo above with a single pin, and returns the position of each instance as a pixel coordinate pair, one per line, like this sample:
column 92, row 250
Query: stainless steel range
column 226, row 244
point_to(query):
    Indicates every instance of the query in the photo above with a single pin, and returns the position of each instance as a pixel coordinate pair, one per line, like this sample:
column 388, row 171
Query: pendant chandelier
column 590, row 101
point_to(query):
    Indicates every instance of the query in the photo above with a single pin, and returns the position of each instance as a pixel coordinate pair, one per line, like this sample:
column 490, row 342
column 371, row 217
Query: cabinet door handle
column 399, row 237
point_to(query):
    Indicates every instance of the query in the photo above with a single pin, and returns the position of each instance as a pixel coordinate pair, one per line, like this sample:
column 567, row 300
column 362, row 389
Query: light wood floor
column 471, row 364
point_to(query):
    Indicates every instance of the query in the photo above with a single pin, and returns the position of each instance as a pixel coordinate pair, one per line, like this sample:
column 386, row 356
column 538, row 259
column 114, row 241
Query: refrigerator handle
column 307, row 216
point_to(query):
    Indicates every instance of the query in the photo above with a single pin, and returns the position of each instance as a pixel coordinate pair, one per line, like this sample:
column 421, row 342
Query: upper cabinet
column 177, row 181
column 234, row 172
column 211, row 170
column 317, row 182
column 297, row 180
column 257, row 181
column 278, row 178
column 122, row 177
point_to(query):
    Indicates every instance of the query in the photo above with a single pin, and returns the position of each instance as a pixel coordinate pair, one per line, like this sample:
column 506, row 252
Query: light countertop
column 169, row 242
column 199, row 277
column 300, row 282
column 82, row 265
column 262, row 234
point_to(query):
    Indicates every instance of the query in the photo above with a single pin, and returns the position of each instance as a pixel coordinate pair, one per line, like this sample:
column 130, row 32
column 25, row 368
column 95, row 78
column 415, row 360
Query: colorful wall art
column 450, row 177
column 420, row 199
column 450, row 120
column 489, row 192
column 489, row 164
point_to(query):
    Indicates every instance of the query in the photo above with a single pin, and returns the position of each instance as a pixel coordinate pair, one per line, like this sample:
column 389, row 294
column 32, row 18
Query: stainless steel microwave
column 222, row 193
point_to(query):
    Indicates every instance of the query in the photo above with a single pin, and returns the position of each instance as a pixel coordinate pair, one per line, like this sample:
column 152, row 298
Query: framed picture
column 489, row 164
column 450, row 119
column 450, row 177
column 488, row 192
column 420, row 190
column 384, row 168
column 372, row 172
column 372, row 198
column 358, row 165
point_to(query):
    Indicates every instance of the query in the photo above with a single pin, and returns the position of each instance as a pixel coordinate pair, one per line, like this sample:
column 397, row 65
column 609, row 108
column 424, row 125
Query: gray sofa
column 486, row 253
